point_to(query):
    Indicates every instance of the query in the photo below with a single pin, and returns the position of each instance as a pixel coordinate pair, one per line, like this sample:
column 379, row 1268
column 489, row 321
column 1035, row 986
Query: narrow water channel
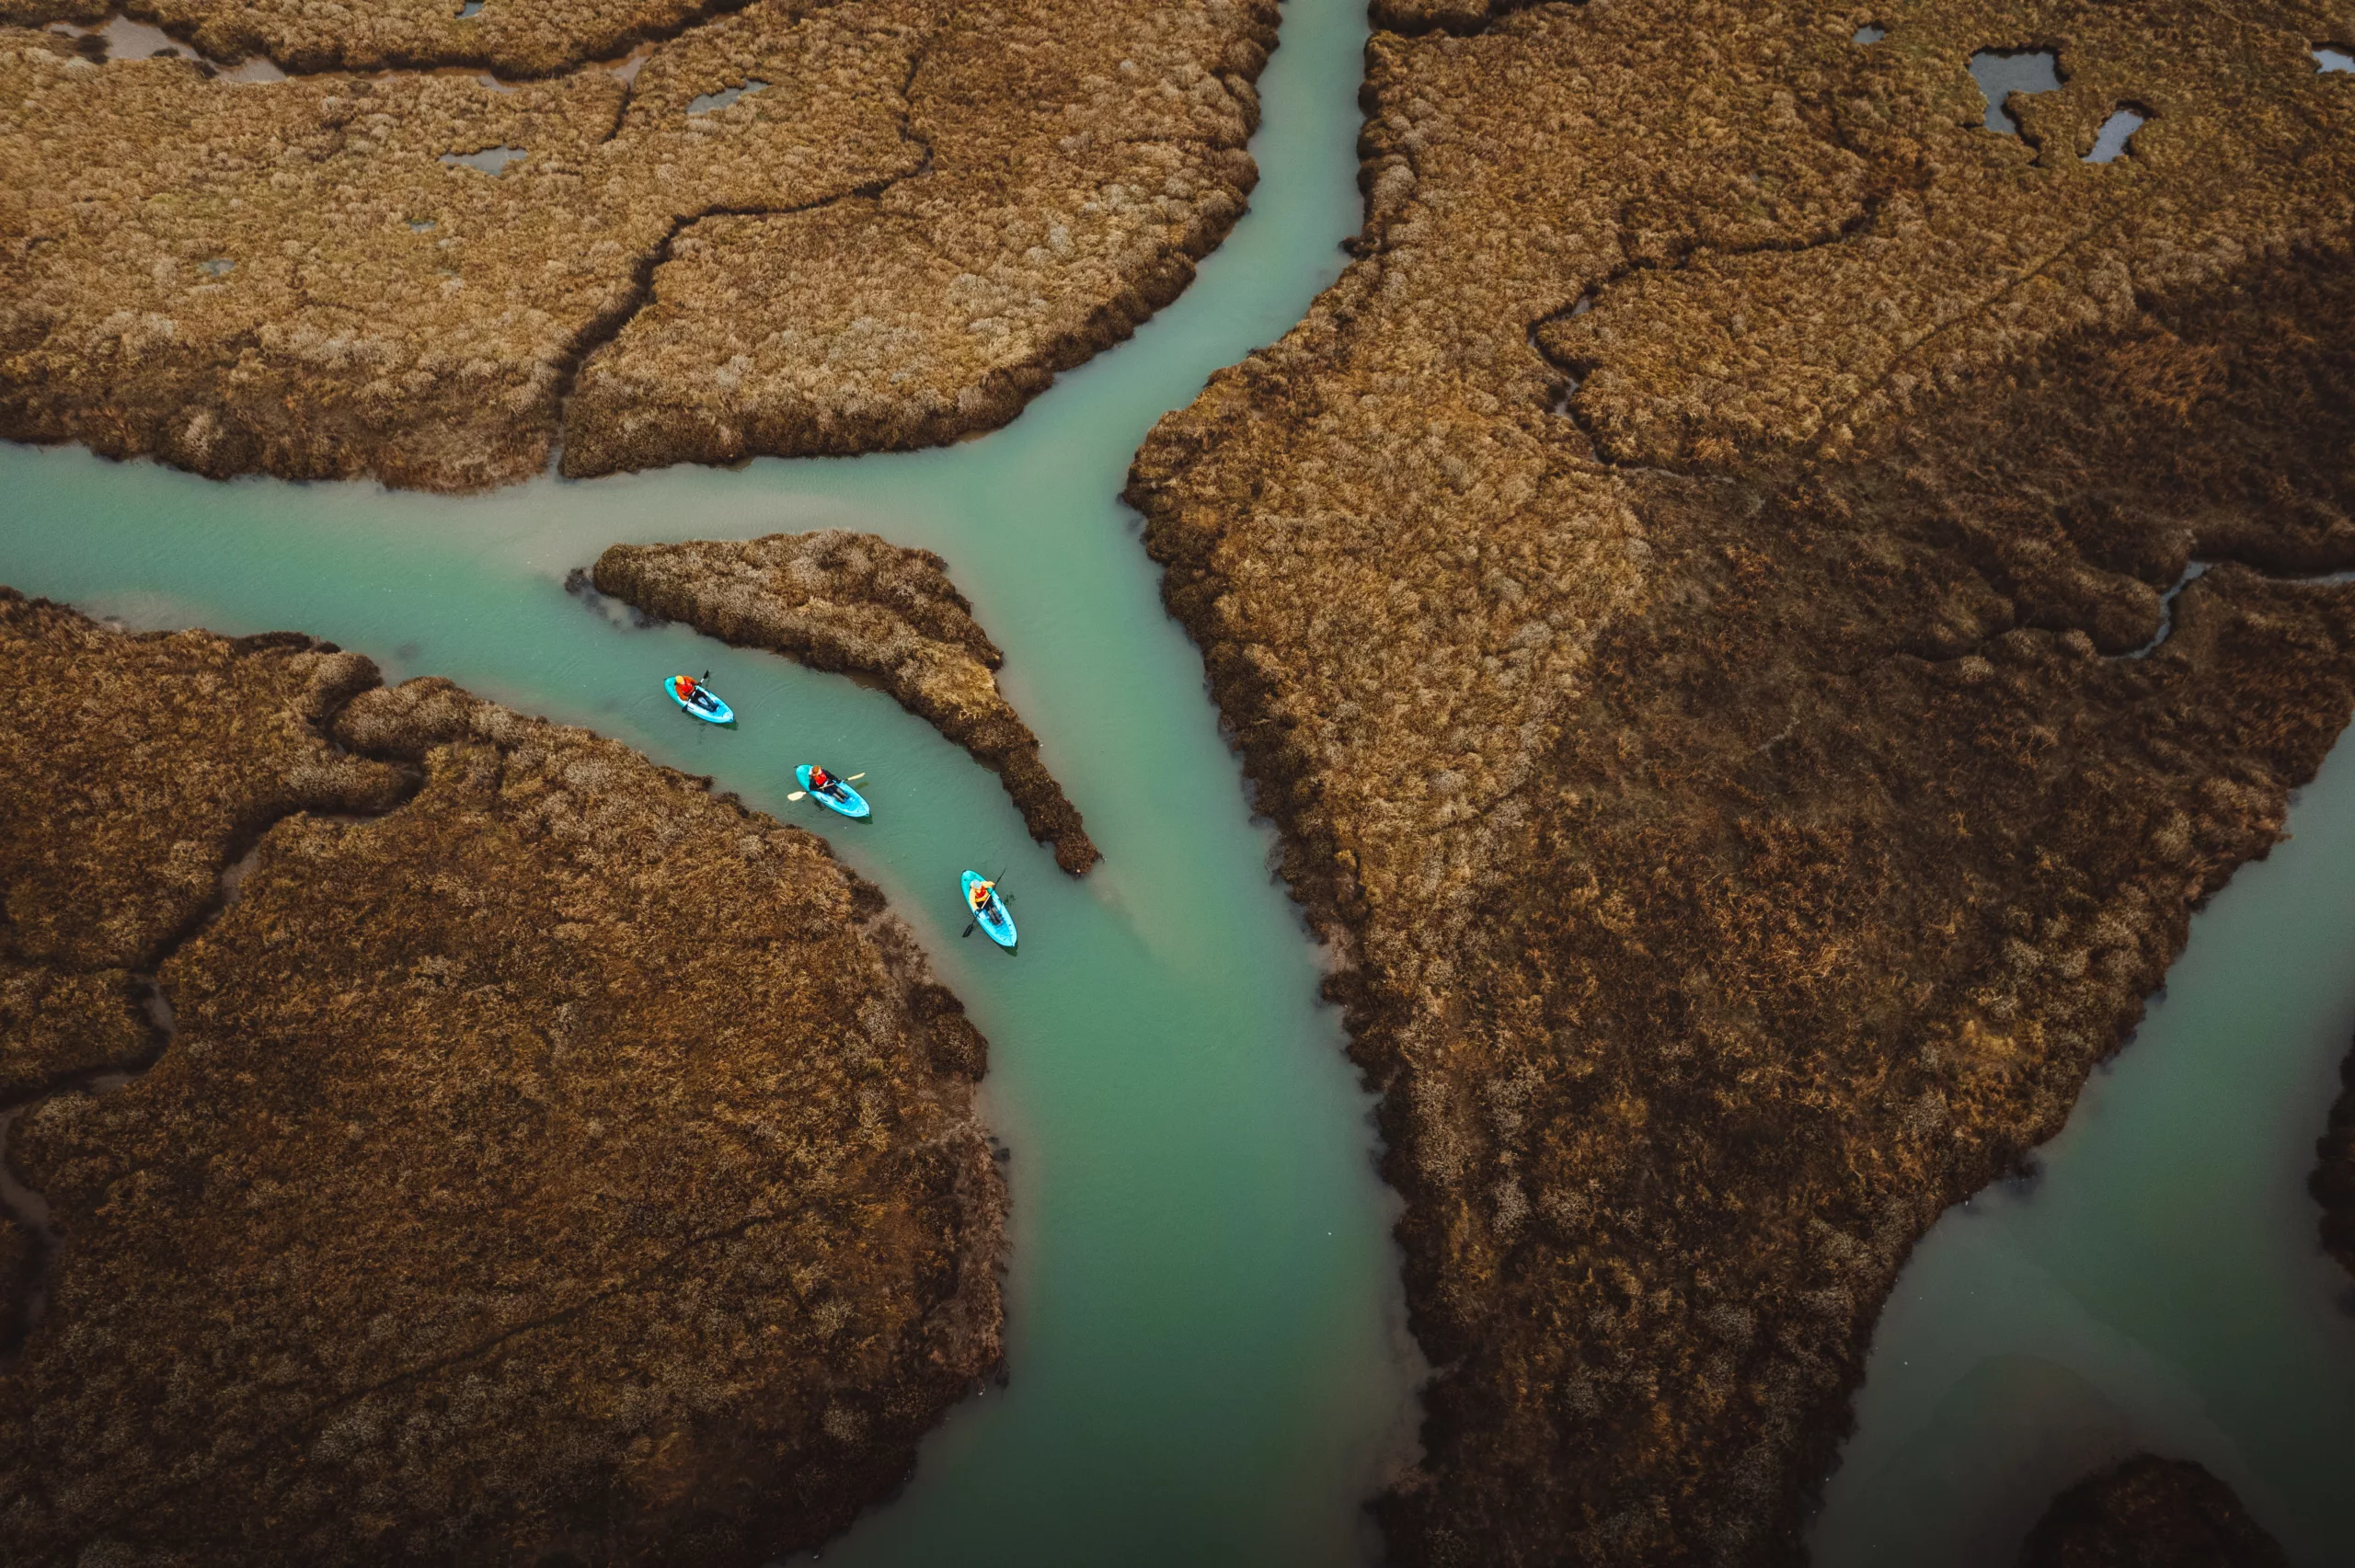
column 1207, row 1349
column 2157, row 1284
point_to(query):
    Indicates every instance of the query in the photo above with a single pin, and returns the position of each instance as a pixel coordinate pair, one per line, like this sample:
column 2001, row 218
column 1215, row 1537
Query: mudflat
column 1707, row 598
column 787, row 229
column 540, row 1158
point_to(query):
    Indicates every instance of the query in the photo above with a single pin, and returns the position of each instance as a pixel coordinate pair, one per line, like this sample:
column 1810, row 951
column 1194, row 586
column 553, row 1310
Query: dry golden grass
column 555, row 1160
column 1673, row 592
column 922, row 213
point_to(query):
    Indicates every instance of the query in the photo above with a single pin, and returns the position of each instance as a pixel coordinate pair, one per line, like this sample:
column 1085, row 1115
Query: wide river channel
column 1208, row 1355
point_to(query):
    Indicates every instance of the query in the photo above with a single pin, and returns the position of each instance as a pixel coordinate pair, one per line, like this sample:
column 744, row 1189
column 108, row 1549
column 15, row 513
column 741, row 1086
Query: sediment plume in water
column 926, row 212
column 548, row 1159
column 838, row 601
column 2147, row 1511
column 1740, row 828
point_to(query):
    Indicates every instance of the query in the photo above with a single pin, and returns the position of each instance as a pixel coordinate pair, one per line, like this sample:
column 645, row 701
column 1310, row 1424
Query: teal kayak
column 989, row 912
column 700, row 701
column 836, row 796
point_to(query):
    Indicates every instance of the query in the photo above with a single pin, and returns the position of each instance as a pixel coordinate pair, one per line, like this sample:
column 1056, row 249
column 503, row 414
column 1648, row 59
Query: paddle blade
column 855, row 778
column 797, row 794
column 964, row 933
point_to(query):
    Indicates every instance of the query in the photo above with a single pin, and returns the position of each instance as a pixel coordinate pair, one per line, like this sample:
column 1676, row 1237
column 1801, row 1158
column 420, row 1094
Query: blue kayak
column 701, row 701
column 990, row 913
column 836, row 796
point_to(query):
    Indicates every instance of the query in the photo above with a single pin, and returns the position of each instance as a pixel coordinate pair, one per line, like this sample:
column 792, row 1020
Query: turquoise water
column 2159, row 1285
column 1207, row 1349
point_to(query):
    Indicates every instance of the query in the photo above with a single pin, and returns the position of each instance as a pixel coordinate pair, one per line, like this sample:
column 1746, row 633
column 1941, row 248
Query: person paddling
column 696, row 698
column 988, row 909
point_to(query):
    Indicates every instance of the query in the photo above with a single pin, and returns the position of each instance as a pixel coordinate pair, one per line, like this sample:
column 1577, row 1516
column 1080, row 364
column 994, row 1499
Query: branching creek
column 1206, row 1350
column 1206, row 1347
